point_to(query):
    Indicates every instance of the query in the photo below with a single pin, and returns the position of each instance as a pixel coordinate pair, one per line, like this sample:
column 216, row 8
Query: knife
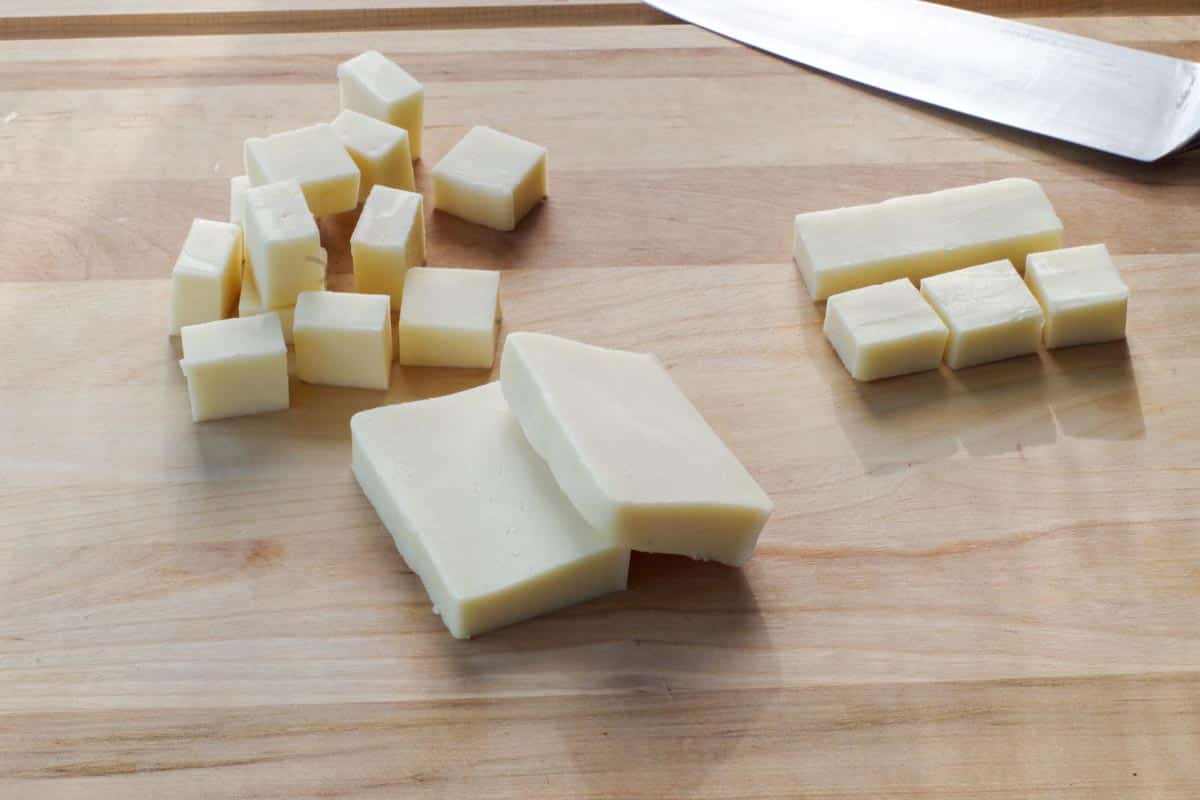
column 1116, row 99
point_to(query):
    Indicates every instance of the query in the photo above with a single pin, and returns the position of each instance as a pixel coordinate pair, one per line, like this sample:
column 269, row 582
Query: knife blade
column 1128, row 102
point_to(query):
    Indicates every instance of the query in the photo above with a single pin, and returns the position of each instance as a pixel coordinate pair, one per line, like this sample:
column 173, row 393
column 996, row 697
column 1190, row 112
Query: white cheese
column 207, row 275
column 343, row 339
column 448, row 318
column 380, row 151
column 372, row 84
column 1081, row 293
column 490, row 178
column 283, row 245
column 388, row 240
column 235, row 367
column 884, row 330
column 313, row 157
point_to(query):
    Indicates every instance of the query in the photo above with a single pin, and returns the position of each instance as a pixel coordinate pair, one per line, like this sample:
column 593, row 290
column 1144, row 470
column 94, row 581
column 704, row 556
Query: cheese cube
column 344, row 339
column 476, row 514
column 380, row 150
column 237, row 198
column 374, row 85
column 205, row 281
column 921, row 235
column 1081, row 293
column 884, row 330
column 490, row 178
column 235, row 367
column 388, row 239
column 315, row 158
column 250, row 304
column 989, row 311
column 283, row 245
column 448, row 317
column 635, row 457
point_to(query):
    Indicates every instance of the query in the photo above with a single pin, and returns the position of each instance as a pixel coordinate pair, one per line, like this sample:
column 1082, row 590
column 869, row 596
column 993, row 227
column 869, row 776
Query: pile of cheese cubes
column 964, row 247
column 267, row 266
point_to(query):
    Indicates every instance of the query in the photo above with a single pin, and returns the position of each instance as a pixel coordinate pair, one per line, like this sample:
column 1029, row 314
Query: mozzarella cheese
column 476, row 514
column 283, row 245
column 1081, row 294
column 380, row 151
column 237, row 198
column 343, row 339
column 235, row 367
column 313, row 157
column 989, row 311
column 207, row 275
column 250, row 304
column 448, row 318
column 921, row 235
column 372, row 84
column 388, row 240
column 490, row 178
column 884, row 330
column 635, row 457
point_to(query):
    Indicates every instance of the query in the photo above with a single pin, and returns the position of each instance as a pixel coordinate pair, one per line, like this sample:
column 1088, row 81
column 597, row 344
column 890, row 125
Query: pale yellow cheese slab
column 1081, row 294
column 885, row 330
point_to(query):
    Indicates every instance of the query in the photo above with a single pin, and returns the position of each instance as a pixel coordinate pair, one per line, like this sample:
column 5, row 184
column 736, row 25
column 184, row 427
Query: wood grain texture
column 975, row 584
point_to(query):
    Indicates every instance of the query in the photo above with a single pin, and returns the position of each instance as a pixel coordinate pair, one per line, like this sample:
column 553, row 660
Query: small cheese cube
column 1081, row 293
column 344, row 339
column 388, row 239
column 207, row 275
column 989, row 311
column 237, row 198
column 923, row 234
column 379, row 149
column 250, row 304
column 374, row 85
column 885, row 330
column 490, row 178
column 633, row 454
column 448, row 317
column 283, row 245
column 315, row 158
column 235, row 367
column 476, row 514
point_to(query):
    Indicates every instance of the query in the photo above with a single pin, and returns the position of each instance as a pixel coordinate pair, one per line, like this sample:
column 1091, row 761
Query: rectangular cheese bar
column 884, row 330
column 313, row 157
column 283, row 245
column 921, row 235
column 990, row 313
column 476, row 514
column 1081, row 294
column 372, row 84
column 635, row 457
column 207, row 275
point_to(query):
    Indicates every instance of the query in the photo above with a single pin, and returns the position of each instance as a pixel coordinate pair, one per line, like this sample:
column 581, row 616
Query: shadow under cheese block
column 633, row 454
column 476, row 514
column 923, row 234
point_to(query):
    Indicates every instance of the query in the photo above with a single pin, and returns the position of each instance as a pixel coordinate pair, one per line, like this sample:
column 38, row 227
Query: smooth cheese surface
column 921, row 235
column 313, row 157
column 343, row 339
column 372, row 84
column 1081, row 294
column 379, row 149
column 990, row 312
column 388, row 240
column 250, row 304
column 448, row 317
column 490, row 178
column 283, row 244
column 476, row 513
column 885, row 330
column 206, row 278
column 633, row 454
column 235, row 367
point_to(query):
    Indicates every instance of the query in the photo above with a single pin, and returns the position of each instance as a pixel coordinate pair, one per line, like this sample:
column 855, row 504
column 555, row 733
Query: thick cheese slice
column 884, row 330
column 207, row 275
column 1081, row 293
column 490, row 178
column 388, row 239
column 378, row 148
column 313, row 157
column 990, row 313
column 635, row 457
column 372, row 84
column 921, row 235
column 283, row 245
column 476, row 514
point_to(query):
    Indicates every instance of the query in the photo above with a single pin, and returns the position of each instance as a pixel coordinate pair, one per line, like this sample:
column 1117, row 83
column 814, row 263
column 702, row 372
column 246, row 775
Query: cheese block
column 237, row 198
column 250, row 304
column 476, row 514
column 921, row 235
column 372, row 84
column 490, row 178
column 388, row 239
column 448, row 318
column 344, row 339
column 990, row 313
column 283, row 245
column 635, row 457
column 884, row 330
column 1081, row 294
column 380, row 151
column 313, row 157
column 235, row 367
column 207, row 275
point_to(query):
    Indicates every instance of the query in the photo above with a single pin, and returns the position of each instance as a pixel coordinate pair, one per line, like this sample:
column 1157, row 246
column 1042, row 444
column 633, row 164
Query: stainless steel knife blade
column 1117, row 99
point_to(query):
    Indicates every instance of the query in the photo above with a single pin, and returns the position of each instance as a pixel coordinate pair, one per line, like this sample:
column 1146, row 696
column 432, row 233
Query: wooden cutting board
column 983, row 584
